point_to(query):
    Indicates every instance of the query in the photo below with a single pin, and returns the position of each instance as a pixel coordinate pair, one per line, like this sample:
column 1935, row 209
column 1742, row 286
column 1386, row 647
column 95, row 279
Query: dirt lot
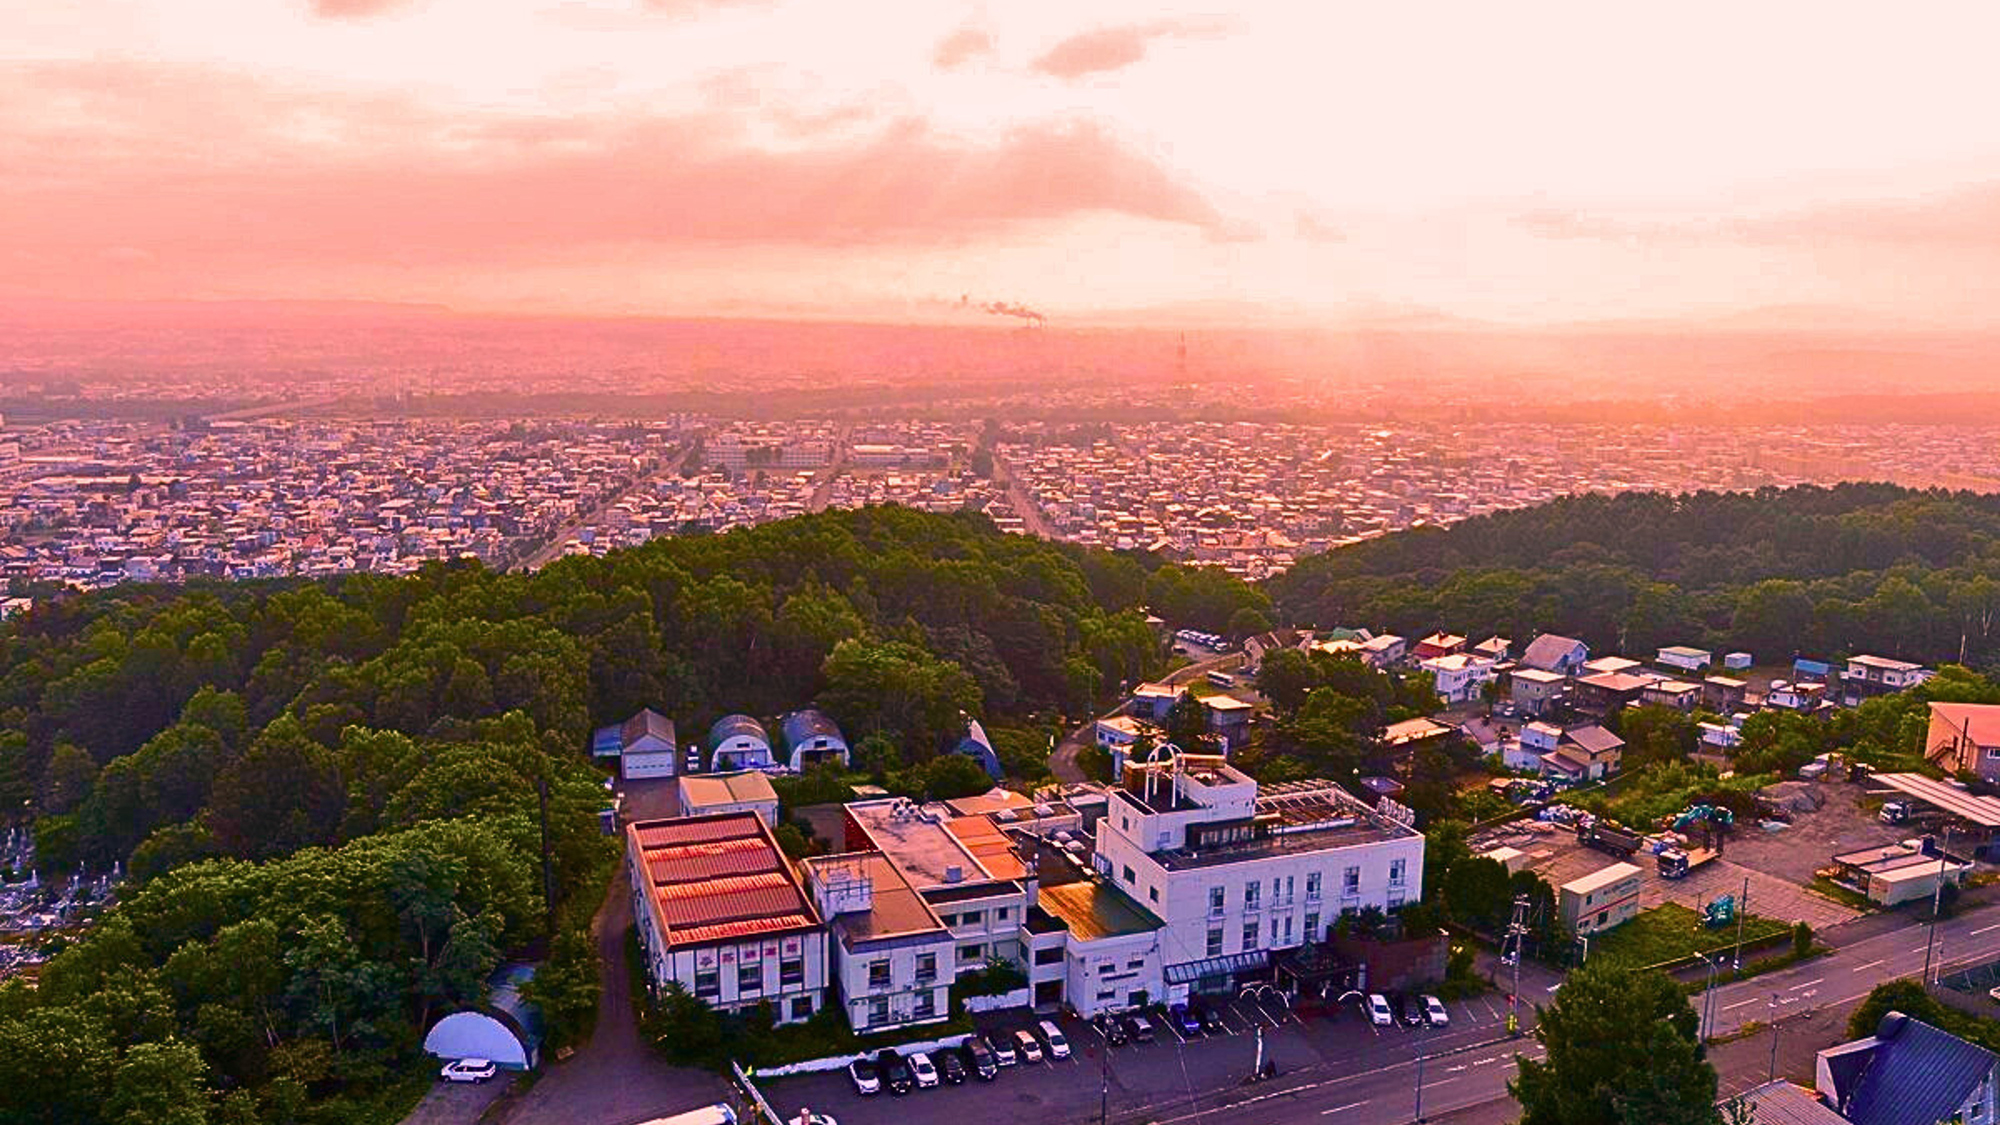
column 1778, row 866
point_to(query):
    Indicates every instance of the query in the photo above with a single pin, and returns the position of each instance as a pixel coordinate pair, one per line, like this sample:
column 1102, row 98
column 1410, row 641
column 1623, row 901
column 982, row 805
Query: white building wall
column 905, row 960
column 733, row 988
column 1111, row 973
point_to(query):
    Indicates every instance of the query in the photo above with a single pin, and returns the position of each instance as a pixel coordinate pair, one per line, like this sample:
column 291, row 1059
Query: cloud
column 1114, row 48
column 1311, row 228
column 1966, row 217
column 354, row 9
column 961, row 47
column 299, row 180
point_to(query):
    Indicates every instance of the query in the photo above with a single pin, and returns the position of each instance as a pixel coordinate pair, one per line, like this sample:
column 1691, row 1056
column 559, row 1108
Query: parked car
column 980, row 1058
column 1185, row 1020
column 1211, row 1019
column 1053, row 1036
column 1003, row 1051
column 895, row 1072
column 1111, row 1029
column 1378, row 1010
column 923, row 1070
column 866, row 1075
column 951, row 1065
column 1434, row 1012
column 1029, row 1046
column 469, row 1070
column 1139, row 1028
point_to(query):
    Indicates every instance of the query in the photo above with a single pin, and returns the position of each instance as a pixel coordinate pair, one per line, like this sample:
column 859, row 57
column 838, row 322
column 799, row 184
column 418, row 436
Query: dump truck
column 1675, row 863
column 1608, row 837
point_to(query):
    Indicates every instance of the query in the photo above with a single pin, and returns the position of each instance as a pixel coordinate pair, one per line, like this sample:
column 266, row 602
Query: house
column 1720, row 736
column 720, row 912
column 1228, row 718
column 1600, row 750
column 1405, row 737
column 894, row 959
column 507, row 1029
column 811, row 738
column 1585, row 753
column 1723, row 694
column 1604, row 692
column 1551, row 653
column 738, row 742
column 1605, row 665
column 643, row 744
column 1152, row 701
column 1868, row 676
column 1779, row 1102
column 1438, row 644
column 1815, row 671
column 1237, row 872
column 1534, row 691
column 1384, row 651
column 1965, row 738
column 1737, row 661
column 1459, row 676
column 1684, row 659
column 1495, row 649
column 716, row 793
column 1677, row 694
column 979, row 748
column 1600, row 900
column 1790, row 695
column 1257, row 647
column 1907, row 1073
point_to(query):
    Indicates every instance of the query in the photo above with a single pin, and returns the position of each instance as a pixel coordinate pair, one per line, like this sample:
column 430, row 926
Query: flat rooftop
column 1982, row 811
column 895, row 908
column 1298, row 818
column 701, row 789
column 718, row 878
column 916, row 840
column 1093, row 909
column 1601, row 878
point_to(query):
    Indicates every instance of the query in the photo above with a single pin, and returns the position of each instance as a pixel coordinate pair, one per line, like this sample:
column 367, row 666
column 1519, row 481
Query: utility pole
column 1773, row 1076
column 1937, row 904
column 1742, row 912
column 1420, row 1076
column 1517, row 932
column 548, row 870
column 1104, row 1084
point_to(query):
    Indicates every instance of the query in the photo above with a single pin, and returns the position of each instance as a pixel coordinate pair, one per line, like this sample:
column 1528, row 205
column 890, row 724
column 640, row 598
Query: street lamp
column 1705, row 1016
column 1937, row 905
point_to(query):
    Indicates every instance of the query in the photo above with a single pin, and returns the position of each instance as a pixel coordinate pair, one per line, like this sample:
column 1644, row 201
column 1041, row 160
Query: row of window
column 749, row 977
column 976, row 917
column 1282, row 888
column 881, row 976
column 924, row 1008
column 1281, row 933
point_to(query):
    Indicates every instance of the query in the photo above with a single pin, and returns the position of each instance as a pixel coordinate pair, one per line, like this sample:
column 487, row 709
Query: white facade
column 1458, row 676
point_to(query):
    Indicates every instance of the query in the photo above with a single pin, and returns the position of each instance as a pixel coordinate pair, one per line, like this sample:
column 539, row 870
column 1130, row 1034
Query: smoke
column 1003, row 308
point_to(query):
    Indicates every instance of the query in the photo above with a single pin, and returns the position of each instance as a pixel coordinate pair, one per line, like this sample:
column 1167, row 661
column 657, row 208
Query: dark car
column 895, row 1072
column 950, row 1065
column 1409, row 1010
column 1138, row 1027
column 1185, row 1020
column 1112, row 1031
column 1211, row 1019
column 979, row 1059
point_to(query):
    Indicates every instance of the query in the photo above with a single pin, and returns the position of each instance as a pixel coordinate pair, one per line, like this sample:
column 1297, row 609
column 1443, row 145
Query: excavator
column 1715, row 822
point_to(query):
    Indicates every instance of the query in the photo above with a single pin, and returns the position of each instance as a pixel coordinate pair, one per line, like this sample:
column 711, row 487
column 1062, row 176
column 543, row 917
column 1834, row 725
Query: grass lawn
column 1671, row 931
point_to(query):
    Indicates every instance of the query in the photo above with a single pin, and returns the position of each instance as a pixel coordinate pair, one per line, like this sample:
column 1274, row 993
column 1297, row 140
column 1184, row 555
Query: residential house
column 1779, row 1102
column 1677, row 694
column 713, row 794
column 1495, row 649
column 1870, row 676
column 1551, row 653
column 1384, row 651
column 1459, row 677
column 1684, row 659
column 1436, row 645
column 1720, row 736
column 1909, row 1072
column 1263, row 644
column 1237, row 872
column 738, row 742
column 1228, row 718
column 1534, row 691
column 1605, row 665
column 1584, row 753
column 1723, row 694
column 1604, row 692
column 1603, row 899
column 1797, row 695
column 720, row 912
column 1403, row 739
column 811, row 739
column 1965, row 738
column 643, row 744
column 1152, row 701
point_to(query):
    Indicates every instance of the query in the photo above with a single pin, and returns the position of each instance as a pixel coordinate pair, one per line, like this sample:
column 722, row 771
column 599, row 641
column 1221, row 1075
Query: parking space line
column 1341, row 1108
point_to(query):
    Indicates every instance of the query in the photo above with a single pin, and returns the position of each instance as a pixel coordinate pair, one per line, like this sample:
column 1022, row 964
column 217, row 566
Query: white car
column 1029, row 1046
column 1053, row 1036
column 867, row 1079
column 468, row 1070
column 925, row 1073
column 1434, row 1013
column 1378, row 1011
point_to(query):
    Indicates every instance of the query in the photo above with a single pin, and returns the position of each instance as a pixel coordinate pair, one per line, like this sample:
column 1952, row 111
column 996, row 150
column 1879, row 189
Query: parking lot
column 1139, row 1078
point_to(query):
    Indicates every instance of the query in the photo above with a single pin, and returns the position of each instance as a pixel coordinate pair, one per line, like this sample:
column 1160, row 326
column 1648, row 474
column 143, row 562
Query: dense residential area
column 874, row 800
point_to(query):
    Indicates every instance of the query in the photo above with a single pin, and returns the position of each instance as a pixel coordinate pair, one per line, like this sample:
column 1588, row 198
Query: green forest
column 1777, row 572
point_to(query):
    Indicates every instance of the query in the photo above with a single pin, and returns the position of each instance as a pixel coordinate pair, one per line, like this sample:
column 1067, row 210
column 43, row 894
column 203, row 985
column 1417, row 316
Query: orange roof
column 716, row 878
column 988, row 845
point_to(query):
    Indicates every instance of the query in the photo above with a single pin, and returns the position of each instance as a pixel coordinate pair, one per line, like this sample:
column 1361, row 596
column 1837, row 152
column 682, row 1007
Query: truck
column 1675, row 863
column 1608, row 837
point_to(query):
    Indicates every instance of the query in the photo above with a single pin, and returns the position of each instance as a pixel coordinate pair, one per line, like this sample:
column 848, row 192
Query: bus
column 1222, row 679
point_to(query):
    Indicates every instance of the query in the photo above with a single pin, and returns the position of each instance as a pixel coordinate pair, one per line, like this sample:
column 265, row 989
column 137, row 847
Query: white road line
column 1739, row 1004
column 1453, row 1069
column 1984, row 930
column 1439, row 1082
column 1920, row 949
column 1807, row 984
column 1483, row 1062
column 1341, row 1108
column 1869, row 965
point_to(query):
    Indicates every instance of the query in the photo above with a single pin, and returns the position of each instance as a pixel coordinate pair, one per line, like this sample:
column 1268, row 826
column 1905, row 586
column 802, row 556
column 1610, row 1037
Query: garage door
column 650, row 765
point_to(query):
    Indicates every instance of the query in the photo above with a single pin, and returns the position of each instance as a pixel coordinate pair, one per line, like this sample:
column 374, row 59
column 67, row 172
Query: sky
column 1528, row 163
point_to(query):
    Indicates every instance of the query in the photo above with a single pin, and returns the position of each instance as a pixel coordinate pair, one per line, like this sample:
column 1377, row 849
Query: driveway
column 615, row 1079
column 458, row 1103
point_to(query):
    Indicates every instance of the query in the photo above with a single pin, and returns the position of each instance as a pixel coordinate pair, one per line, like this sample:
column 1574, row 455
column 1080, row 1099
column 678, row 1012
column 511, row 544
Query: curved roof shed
column 506, row 1029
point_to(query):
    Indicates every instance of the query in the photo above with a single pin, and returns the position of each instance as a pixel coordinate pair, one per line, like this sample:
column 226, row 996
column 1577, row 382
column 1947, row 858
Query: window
column 1129, row 877
column 967, row 954
column 750, row 978
column 707, row 982
column 1215, row 941
column 1290, row 886
column 1396, row 869
column 1252, row 892
column 1215, row 901
column 878, row 974
column 926, row 1004
column 1000, row 915
column 878, row 1011
column 802, row 1007
column 1312, row 887
column 1351, row 881
column 791, row 972
column 1153, row 893
column 1135, row 964
column 926, row 967
column 1287, row 939
column 1049, row 956
column 1249, row 936
column 1107, row 994
column 948, row 919
column 972, row 918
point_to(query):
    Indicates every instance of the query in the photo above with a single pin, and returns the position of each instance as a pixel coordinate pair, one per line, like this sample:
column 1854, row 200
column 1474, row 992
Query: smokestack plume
column 1003, row 308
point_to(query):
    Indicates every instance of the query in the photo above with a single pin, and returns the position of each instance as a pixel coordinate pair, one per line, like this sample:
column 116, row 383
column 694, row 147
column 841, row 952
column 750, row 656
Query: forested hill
column 1820, row 571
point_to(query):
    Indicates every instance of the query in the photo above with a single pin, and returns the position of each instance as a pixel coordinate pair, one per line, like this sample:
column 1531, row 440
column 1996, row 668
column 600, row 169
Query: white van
column 1053, row 1036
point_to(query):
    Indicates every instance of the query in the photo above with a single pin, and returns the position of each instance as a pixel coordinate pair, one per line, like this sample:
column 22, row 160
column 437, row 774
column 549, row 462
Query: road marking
column 1483, row 1062
column 1739, row 1003
column 1341, row 1108
column 1453, row 1069
column 1439, row 1082
column 1807, row 984
column 1921, row 949
column 1869, row 965
column 1985, row 929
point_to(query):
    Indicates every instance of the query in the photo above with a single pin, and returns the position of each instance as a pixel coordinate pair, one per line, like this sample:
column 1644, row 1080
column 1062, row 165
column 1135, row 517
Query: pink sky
column 1525, row 163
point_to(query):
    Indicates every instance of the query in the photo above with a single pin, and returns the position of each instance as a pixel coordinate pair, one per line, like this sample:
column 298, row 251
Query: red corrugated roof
column 731, row 931
column 672, row 833
column 714, row 878
column 692, row 866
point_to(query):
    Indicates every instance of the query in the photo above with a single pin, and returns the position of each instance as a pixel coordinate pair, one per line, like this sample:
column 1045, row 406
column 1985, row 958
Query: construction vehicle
column 1895, row 812
column 1715, row 822
column 1608, row 837
column 1675, row 863
column 1719, row 913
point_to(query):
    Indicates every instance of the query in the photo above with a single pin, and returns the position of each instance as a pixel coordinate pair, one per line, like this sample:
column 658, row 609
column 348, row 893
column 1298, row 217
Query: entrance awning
column 1225, row 965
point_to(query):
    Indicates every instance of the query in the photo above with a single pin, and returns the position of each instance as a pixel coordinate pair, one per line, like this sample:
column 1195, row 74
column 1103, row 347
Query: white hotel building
column 1238, row 875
